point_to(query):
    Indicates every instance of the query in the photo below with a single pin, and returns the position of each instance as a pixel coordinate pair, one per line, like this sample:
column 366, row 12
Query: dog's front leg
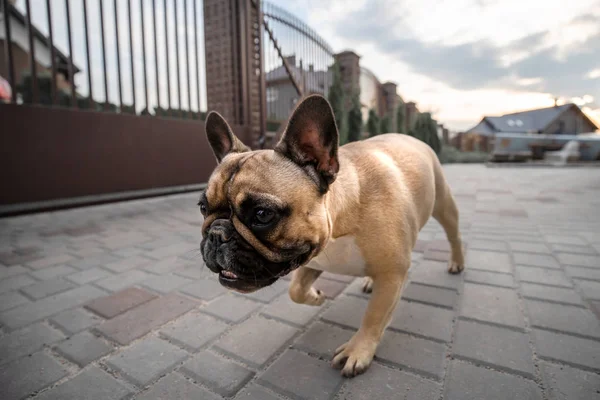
column 356, row 355
column 301, row 290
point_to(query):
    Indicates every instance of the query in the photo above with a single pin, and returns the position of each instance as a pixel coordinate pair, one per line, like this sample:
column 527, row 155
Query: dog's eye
column 263, row 216
column 202, row 207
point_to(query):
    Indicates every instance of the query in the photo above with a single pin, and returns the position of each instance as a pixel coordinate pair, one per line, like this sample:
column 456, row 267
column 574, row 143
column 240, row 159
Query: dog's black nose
column 221, row 231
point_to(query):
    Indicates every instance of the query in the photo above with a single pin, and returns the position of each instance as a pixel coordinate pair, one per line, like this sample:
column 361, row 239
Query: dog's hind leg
column 446, row 213
column 301, row 290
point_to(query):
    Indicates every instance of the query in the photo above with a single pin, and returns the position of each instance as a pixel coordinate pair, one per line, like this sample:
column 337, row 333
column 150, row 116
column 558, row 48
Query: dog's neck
column 343, row 199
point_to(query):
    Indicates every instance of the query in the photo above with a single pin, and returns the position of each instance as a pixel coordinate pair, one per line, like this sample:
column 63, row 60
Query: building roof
column 524, row 121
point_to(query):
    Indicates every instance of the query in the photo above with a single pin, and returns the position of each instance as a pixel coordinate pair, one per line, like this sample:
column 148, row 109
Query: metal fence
column 297, row 62
column 140, row 56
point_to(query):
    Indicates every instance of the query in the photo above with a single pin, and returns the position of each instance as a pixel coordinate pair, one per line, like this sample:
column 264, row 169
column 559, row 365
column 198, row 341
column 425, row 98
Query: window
column 272, row 94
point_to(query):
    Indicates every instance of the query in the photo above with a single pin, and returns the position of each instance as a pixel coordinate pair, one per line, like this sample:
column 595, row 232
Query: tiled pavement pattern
column 112, row 302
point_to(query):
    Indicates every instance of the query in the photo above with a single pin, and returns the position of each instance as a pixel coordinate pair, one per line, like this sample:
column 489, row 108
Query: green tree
column 336, row 99
column 355, row 122
column 373, row 123
column 384, row 125
column 400, row 115
column 425, row 129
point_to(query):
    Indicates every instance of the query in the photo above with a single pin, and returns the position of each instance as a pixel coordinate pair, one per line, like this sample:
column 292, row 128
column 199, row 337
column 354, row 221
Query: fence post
column 234, row 65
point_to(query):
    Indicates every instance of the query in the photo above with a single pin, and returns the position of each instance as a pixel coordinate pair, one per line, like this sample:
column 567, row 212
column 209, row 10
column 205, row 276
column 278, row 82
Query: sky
column 459, row 59
column 464, row 59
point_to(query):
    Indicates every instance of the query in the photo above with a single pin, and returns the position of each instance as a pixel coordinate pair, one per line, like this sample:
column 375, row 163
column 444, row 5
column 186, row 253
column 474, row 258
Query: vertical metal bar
column 144, row 55
column 132, row 57
column 167, row 56
column 177, row 61
column 118, row 55
column 71, row 69
column 156, row 54
column 87, row 51
column 197, row 56
column 32, row 66
column 52, row 53
column 103, row 54
column 187, row 56
column 8, row 49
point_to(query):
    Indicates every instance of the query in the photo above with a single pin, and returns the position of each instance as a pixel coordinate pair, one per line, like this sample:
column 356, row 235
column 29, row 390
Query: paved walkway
column 113, row 302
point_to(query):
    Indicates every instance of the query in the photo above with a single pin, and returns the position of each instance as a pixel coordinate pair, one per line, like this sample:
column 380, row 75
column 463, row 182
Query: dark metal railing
column 104, row 71
column 297, row 62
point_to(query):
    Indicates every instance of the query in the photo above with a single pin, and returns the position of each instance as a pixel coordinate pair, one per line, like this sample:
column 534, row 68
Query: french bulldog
column 308, row 206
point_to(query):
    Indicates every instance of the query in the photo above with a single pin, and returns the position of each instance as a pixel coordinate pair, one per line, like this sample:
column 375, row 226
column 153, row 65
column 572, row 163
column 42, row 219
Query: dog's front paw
column 354, row 357
column 455, row 268
column 315, row 297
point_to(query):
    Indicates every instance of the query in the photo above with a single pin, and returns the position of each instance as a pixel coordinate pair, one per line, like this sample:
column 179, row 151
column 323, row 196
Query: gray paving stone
column 76, row 320
column 563, row 318
column 493, row 245
column 527, row 247
column 563, row 239
column 536, row 260
column 53, row 272
column 492, row 304
column 489, row 278
column 423, row 320
column 50, row 261
column 591, row 289
column 204, row 289
column 380, row 382
column 27, row 341
column 177, row 249
column 7, row 272
column 435, row 273
column 11, row 299
column 164, row 266
column 302, row 377
column 347, row 311
column 569, row 248
column 15, row 283
column 486, row 384
column 355, row 288
column 440, row 297
column 584, row 273
column 194, row 330
column 231, row 308
column 96, row 260
column 118, row 303
column 256, row 392
column 176, row 386
column 88, row 276
column 323, row 339
column 256, row 340
column 165, row 283
column 543, row 276
column 157, row 356
column 139, row 321
column 580, row 260
column 29, row 375
column 194, row 271
column 218, row 374
column 92, row 383
column 489, row 261
column 414, row 354
column 28, row 313
column 493, row 346
column 126, row 264
column 576, row 351
column 47, row 288
column 122, row 281
column 551, row 293
column 266, row 295
column 566, row 383
column 83, row 348
column 284, row 309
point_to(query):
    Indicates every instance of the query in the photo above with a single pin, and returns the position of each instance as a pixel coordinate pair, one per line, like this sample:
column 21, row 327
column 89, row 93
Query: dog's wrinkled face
column 264, row 211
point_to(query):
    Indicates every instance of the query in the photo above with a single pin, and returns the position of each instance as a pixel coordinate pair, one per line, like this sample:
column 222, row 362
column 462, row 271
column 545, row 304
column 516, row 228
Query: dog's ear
column 221, row 138
column 311, row 140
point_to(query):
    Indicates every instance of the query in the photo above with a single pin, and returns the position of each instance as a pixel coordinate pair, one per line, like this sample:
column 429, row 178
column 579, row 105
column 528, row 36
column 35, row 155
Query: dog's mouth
column 233, row 281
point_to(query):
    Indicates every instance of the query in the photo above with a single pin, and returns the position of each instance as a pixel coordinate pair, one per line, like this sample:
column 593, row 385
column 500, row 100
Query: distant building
column 567, row 119
column 20, row 49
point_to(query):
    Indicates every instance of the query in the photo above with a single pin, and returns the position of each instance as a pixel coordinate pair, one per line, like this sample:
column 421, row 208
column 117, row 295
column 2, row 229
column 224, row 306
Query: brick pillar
column 390, row 103
column 349, row 63
column 233, row 88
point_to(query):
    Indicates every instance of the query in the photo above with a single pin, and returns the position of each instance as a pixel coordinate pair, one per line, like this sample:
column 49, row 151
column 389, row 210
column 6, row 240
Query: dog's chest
column 341, row 256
